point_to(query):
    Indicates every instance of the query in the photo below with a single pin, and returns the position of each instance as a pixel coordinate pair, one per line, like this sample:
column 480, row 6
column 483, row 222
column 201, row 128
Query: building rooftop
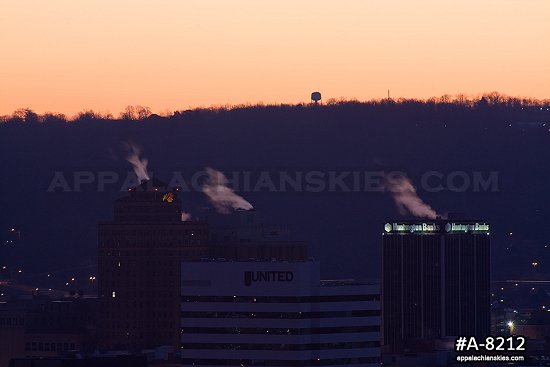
column 341, row 282
column 436, row 226
column 270, row 260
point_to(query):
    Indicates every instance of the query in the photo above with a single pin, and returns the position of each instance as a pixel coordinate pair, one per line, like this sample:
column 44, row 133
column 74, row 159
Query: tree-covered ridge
column 494, row 102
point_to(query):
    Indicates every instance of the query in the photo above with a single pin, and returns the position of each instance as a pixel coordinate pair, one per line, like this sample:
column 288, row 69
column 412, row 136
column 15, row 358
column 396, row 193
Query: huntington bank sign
column 437, row 227
column 267, row 277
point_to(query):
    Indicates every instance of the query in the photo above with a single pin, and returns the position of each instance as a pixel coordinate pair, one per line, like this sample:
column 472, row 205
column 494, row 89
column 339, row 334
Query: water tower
column 315, row 97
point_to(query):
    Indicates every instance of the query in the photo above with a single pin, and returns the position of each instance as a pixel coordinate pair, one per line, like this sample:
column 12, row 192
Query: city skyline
column 248, row 183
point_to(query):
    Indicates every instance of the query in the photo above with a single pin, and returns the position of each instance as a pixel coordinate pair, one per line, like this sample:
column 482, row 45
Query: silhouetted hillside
column 509, row 137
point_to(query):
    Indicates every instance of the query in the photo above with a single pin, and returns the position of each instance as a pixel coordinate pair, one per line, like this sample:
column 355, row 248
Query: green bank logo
column 467, row 227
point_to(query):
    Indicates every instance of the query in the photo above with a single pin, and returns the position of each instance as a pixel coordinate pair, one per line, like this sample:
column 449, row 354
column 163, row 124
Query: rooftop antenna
column 389, row 94
column 315, row 97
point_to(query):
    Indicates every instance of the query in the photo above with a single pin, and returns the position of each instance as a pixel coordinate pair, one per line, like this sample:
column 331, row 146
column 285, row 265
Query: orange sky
column 70, row 55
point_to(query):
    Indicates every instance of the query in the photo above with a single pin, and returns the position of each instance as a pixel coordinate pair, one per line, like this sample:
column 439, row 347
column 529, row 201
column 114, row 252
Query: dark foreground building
column 242, row 235
column 436, row 281
column 116, row 361
column 40, row 327
column 139, row 259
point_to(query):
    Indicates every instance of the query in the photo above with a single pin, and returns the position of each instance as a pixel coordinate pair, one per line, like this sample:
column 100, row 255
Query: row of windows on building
column 280, row 315
column 48, row 347
column 58, row 319
column 152, row 334
column 131, row 316
column 283, row 299
column 153, row 327
column 169, row 242
column 157, row 253
column 154, row 232
column 281, row 331
column 129, row 292
column 139, row 273
column 157, row 209
column 264, row 252
column 282, row 347
column 12, row 321
column 171, row 218
column 295, row 363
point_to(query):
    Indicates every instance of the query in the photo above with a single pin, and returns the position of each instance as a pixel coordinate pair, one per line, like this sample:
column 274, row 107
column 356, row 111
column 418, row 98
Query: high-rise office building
column 139, row 259
column 436, row 281
column 242, row 235
column 276, row 313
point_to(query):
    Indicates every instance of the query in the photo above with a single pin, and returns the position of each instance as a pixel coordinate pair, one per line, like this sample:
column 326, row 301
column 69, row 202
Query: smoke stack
column 222, row 196
column 406, row 199
column 138, row 164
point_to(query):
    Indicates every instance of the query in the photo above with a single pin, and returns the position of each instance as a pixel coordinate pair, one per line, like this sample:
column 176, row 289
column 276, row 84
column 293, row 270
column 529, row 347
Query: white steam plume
column 139, row 164
column 222, row 196
column 406, row 199
column 185, row 216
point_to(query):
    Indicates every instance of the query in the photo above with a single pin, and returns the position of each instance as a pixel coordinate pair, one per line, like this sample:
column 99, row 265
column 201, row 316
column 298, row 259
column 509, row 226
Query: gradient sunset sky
column 70, row 55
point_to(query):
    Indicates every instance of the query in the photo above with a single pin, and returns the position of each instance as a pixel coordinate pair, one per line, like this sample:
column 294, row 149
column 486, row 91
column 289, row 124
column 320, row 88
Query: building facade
column 43, row 327
column 276, row 313
column 436, row 281
column 139, row 259
column 242, row 235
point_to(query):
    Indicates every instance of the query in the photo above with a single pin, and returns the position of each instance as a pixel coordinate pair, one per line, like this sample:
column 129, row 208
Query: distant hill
column 509, row 138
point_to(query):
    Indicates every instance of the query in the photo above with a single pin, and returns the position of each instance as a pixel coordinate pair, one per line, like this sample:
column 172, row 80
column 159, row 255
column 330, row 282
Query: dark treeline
column 494, row 102
column 459, row 136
